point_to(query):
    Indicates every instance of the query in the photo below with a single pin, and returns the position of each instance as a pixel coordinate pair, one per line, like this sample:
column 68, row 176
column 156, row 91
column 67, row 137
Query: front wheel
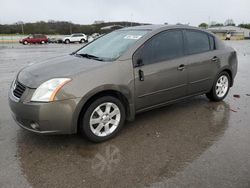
column 220, row 88
column 103, row 119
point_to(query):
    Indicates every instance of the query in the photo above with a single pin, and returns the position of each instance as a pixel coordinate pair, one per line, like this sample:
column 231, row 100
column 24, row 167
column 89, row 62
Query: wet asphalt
column 195, row 143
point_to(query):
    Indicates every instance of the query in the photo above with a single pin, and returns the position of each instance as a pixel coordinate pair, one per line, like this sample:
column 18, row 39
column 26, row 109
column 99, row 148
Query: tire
column 82, row 41
column 67, row 41
column 108, row 116
column 219, row 91
column 42, row 42
column 25, row 42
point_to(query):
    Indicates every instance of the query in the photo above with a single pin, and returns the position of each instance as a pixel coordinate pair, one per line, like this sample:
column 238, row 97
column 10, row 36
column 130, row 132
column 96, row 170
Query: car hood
column 65, row 66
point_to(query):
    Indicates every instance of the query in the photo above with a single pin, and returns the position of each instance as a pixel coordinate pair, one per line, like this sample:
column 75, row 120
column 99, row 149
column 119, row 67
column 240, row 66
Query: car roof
column 163, row 27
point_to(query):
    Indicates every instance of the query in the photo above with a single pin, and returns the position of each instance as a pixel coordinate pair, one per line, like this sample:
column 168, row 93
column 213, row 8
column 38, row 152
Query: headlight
column 47, row 91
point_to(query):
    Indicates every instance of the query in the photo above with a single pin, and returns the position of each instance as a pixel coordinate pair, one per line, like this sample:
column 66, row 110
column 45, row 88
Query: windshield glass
column 112, row 45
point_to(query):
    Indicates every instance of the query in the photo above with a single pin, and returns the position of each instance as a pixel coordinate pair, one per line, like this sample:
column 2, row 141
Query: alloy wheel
column 105, row 119
column 222, row 86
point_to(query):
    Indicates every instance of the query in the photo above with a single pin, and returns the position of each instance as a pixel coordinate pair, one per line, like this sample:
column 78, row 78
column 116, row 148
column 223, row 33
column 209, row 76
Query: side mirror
column 139, row 63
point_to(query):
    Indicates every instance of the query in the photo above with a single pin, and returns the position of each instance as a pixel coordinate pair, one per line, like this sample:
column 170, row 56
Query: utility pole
column 21, row 23
column 22, row 28
column 131, row 19
column 70, row 27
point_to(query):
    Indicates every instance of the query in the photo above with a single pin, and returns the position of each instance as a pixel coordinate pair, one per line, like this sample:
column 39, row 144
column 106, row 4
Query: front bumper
column 49, row 118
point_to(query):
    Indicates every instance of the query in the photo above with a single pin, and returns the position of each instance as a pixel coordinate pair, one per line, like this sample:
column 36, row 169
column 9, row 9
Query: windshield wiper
column 89, row 56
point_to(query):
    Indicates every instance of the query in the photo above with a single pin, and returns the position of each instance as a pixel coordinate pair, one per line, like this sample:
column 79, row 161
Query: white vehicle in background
column 228, row 36
column 93, row 37
column 76, row 37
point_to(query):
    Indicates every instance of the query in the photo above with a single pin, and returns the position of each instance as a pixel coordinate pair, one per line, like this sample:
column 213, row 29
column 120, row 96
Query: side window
column 212, row 43
column 78, row 35
column 197, row 42
column 164, row 46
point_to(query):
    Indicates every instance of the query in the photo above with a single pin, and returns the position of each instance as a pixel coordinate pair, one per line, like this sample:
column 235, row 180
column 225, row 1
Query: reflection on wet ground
column 195, row 143
column 156, row 145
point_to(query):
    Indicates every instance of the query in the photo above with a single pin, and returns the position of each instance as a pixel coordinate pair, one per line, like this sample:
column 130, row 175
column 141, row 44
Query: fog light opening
column 34, row 125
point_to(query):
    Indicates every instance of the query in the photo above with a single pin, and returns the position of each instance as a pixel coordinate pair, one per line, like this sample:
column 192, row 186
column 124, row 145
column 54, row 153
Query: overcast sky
column 147, row 11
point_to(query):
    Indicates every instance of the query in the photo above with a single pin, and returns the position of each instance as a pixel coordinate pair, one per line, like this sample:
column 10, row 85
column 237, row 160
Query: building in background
column 237, row 33
column 99, row 22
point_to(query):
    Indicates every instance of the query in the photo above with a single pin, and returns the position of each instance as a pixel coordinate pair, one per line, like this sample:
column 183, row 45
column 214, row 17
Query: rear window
column 77, row 35
column 39, row 36
column 197, row 42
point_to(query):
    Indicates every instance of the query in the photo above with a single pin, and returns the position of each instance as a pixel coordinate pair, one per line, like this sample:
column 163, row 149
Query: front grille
column 18, row 89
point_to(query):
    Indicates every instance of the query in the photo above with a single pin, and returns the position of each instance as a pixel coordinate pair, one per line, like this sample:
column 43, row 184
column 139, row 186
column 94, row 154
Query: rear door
column 202, row 60
column 160, row 74
column 76, row 37
column 73, row 38
column 37, row 38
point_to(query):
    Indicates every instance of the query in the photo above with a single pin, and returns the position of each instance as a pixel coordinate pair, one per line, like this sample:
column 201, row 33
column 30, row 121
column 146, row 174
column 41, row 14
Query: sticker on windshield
column 132, row 37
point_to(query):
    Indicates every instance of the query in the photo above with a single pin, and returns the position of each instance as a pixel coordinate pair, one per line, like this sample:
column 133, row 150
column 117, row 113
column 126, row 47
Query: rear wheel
column 25, row 42
column 67, row 41
column 220, row 88
column 82, row 41
column 103, row 119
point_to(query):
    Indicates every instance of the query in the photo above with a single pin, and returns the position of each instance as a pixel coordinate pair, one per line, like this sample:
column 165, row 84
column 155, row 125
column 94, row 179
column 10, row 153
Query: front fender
column 101, row 89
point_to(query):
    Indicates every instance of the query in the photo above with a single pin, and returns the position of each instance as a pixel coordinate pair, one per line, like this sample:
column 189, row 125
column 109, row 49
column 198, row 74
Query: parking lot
column 195, row 143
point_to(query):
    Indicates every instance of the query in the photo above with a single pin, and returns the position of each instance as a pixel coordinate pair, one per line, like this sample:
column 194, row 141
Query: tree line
column 57, row 27
column 65, row 28
column 228, row 22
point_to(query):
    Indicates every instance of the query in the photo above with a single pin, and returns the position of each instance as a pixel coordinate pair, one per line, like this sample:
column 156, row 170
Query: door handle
column 181, row 67
column 141, row 75
column 215, row 59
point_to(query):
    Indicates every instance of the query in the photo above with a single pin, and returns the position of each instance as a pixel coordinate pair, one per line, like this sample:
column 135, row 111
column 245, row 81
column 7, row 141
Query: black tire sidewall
column 85, row 126
column 215, row 97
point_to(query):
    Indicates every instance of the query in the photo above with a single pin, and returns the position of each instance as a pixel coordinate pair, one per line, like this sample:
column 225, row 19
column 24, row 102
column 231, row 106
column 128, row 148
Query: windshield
column 112, row 45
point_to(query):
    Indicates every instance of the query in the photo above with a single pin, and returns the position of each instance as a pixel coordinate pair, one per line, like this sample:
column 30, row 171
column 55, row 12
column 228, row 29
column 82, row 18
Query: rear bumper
column 48, row 118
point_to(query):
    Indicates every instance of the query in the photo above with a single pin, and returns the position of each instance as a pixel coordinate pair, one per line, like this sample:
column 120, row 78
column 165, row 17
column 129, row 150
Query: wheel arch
column 85, row 102
column 66, row 40
column 230, row 74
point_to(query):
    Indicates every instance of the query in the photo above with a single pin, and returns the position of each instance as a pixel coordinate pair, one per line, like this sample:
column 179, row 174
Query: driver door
column 160, row 70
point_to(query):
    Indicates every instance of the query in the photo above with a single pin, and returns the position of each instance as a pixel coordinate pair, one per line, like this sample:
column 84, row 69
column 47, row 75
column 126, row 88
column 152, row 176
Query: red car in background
column 34, row 38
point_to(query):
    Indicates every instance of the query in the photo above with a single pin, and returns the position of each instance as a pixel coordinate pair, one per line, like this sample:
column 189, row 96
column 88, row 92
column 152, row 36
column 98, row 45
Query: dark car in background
column 128, row 71
column 35, row 39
